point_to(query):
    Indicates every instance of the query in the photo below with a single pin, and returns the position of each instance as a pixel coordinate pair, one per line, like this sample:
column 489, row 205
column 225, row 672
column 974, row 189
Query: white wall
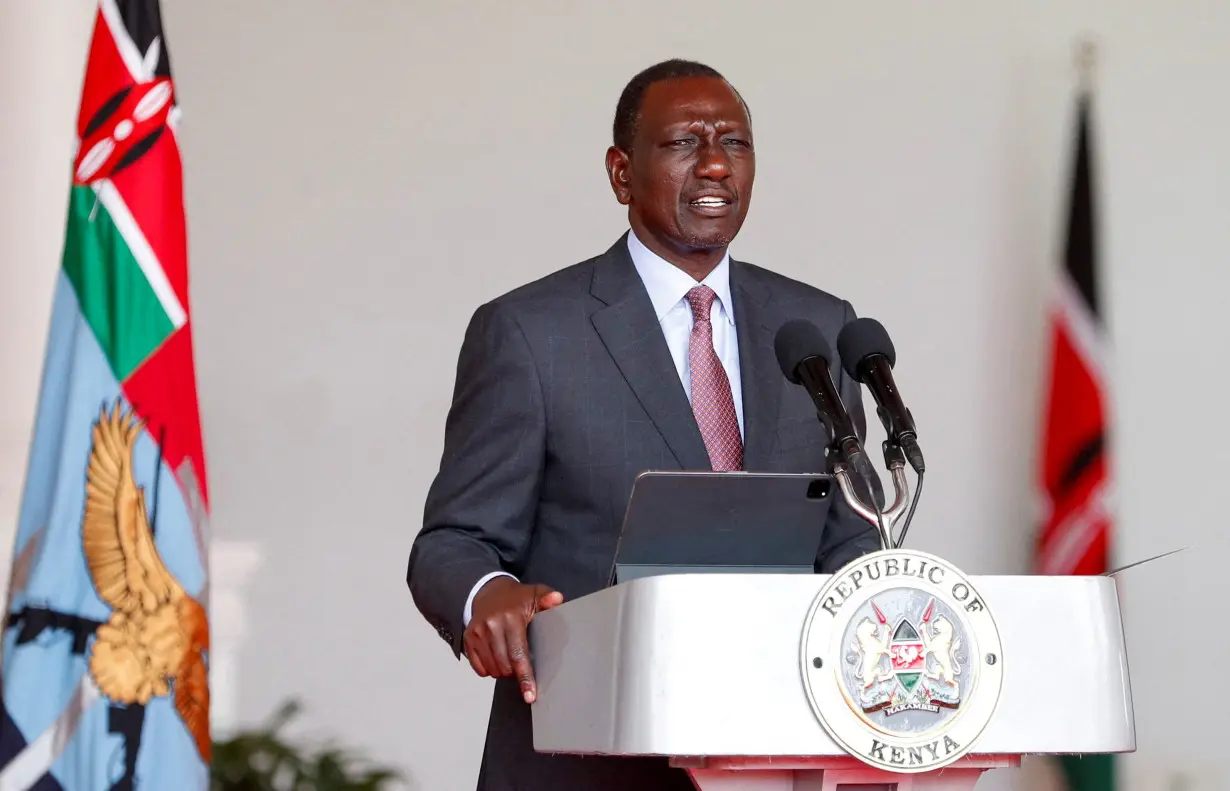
column 360, row 176
column 42, row 54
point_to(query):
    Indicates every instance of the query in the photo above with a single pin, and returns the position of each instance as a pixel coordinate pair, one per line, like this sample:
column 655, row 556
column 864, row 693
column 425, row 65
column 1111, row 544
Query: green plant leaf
column 284, row 714
column 262, row 760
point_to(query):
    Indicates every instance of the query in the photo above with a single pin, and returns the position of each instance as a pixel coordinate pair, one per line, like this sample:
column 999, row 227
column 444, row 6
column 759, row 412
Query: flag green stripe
column 1089, row 772
column 115, row 297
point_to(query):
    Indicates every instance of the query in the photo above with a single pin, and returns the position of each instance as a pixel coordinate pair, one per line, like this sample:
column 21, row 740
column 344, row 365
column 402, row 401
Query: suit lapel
column 629, row 329
column 761, row 375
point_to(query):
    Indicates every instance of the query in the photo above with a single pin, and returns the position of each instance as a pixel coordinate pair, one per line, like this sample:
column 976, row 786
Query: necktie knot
column 700, row 299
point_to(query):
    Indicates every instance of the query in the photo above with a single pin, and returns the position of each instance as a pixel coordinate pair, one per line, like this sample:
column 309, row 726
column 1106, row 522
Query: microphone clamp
column 885, row 521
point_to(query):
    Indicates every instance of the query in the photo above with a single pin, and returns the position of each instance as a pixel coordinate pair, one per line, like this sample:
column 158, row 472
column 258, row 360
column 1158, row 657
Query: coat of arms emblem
column 902, row 661
column 912, row 663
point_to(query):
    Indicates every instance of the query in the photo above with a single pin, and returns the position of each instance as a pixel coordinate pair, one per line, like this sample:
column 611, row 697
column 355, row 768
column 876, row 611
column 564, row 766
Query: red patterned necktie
column 712, row 402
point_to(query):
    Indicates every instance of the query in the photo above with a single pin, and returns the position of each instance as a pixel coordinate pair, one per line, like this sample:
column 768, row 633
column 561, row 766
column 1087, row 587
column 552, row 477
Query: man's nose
column 713, row 162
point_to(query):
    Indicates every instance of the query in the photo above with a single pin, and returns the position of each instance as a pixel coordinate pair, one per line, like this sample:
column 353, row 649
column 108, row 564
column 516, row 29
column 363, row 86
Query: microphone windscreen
column 797, row 340
column 860, row 338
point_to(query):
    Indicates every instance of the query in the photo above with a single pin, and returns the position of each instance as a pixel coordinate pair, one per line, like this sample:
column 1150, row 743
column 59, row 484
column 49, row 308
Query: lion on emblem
column 938, row 649
column 873, row 647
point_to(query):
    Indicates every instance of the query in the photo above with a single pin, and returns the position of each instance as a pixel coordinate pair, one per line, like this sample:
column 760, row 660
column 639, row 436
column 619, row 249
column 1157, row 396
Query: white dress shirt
column 667, row 284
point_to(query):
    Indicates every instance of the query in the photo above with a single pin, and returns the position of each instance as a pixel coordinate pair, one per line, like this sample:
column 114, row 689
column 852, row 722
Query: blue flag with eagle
column 106, row 639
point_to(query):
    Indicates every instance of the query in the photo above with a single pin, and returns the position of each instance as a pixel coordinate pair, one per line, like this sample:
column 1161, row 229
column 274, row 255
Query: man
column 657, row 354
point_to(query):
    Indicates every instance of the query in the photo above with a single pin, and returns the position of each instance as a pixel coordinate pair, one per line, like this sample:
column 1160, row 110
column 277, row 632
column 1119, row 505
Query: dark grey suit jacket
column 565, row 391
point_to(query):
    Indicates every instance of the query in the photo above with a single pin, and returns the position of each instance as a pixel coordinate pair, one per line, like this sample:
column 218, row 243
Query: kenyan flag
column 106, row 641
column 1076, row 533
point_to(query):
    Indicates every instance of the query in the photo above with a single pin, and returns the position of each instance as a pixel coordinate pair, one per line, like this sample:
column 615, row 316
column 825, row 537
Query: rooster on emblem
column 157, row 634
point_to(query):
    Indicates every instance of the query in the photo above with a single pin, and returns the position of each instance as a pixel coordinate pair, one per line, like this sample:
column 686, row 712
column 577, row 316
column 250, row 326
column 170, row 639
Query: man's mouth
column 711, row 205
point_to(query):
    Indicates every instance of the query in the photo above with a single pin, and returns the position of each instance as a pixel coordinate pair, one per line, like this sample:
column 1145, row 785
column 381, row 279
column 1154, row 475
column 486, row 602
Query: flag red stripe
column 1075, row 416
column 163, row 392
column 106, row 75
column 160, row 212
column 1072, row 478
column 1074, row 538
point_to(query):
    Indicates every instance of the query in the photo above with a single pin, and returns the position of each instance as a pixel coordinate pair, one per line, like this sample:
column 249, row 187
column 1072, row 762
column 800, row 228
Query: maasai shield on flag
column 106, row 639
column 1075, row 537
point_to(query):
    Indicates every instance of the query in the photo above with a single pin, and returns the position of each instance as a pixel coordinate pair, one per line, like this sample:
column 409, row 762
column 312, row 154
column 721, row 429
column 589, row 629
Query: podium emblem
column 902, row 661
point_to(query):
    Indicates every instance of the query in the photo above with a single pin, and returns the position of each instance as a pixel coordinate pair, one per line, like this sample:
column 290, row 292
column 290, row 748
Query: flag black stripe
column 1081, row 461
column 104, row 112
column 143, row 20
column 1080, row 257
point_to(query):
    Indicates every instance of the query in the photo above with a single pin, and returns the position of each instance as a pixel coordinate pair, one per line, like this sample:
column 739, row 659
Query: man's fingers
column 519, row 653
column 476, row 661
column 549, row 600
column 479, row 655
column 545, row 598
column 497, row 642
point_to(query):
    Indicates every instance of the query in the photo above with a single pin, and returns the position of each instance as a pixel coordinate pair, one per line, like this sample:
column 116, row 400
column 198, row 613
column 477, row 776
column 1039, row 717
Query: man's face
column 688, row 179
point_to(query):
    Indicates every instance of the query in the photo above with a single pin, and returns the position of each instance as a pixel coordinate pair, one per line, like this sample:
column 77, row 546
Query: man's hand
column 495, row 641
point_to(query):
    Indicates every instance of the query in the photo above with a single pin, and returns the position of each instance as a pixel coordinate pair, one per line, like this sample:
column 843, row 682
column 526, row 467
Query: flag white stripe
column 141, row 251
column 1074, row 536
column 29, row 766
column 1087, row 335
column 1070, row 545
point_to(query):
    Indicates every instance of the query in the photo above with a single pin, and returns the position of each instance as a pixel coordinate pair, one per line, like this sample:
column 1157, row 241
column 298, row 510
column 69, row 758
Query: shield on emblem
column 906, row 653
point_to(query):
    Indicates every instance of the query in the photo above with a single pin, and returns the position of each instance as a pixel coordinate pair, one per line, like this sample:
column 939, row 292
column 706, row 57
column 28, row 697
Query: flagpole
column 162, row 443
column 1080, row 517
column 1086, row 63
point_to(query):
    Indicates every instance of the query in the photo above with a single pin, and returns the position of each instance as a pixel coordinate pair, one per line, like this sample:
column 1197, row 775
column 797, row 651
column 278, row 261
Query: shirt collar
column 667, row 284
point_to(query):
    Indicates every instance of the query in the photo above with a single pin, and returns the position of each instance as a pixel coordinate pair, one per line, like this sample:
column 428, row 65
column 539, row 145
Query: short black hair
column 628, row 110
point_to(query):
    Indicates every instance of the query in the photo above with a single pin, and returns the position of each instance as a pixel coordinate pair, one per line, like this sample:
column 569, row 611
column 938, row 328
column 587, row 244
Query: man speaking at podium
column 656, row 354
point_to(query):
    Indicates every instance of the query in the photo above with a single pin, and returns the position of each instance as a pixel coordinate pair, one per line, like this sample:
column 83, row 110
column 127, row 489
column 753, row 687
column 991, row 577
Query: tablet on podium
column 705, row 522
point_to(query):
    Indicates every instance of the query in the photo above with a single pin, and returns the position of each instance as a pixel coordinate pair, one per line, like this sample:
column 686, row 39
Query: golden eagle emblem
column 157, row 634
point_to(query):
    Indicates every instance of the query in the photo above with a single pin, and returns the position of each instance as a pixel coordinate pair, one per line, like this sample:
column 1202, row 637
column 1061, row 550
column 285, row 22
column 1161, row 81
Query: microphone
column 868, row 356
column 804, row 356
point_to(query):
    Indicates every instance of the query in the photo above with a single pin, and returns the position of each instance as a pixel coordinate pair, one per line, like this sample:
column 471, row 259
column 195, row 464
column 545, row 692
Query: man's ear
column 618, row 171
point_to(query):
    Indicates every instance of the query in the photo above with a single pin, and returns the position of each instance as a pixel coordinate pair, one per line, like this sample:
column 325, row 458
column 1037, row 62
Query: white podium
column 713, row 671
